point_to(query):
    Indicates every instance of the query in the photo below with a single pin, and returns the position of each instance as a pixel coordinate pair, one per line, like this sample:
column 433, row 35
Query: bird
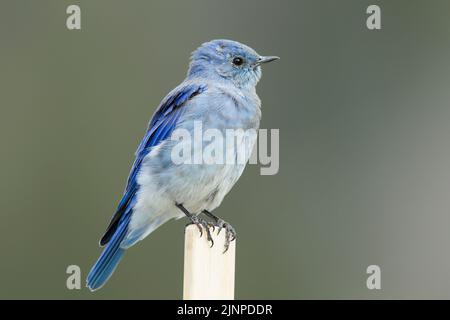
column 219, row 92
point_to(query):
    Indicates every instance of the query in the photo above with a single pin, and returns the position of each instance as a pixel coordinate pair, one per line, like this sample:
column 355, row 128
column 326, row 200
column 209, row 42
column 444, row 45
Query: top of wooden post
column 208, row 272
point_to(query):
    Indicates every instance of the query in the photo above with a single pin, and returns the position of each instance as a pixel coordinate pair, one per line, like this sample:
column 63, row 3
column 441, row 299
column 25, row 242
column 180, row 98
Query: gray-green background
column 364, row 144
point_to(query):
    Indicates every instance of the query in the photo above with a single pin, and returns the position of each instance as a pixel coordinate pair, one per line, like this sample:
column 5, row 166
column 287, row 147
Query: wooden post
column 208, row 272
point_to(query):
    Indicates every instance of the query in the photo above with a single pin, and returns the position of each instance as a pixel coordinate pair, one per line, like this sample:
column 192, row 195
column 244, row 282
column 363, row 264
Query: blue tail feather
column 109, row 259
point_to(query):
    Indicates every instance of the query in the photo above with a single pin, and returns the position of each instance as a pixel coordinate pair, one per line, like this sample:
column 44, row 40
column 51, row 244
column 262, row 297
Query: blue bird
column 218, row 92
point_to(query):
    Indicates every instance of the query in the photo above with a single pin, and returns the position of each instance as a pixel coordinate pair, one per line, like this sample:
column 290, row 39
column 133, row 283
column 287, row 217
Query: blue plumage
column 111, row 255
column 160, row 127
column 219, row 91
column 162, row 124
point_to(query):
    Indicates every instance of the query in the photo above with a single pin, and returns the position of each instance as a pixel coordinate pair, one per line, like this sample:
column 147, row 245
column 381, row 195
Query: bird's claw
column 203, row 224
column 230, row 233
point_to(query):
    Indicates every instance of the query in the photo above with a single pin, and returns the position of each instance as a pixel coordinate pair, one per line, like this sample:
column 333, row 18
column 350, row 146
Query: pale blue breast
column 203, row 186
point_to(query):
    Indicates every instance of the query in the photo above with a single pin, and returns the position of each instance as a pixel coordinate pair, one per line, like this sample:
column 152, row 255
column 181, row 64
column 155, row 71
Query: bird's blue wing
column 160, row 127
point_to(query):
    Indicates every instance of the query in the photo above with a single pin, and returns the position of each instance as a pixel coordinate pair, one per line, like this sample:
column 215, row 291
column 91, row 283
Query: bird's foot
column 230, row 233
column 199, row 222
column 203, row 224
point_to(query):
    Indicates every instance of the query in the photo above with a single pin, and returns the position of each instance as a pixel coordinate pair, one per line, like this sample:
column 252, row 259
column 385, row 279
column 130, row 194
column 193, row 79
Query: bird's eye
column 237, row 61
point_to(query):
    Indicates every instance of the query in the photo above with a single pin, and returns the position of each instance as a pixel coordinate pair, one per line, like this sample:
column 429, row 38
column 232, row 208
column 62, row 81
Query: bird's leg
column 199, row 222
column 230, row 233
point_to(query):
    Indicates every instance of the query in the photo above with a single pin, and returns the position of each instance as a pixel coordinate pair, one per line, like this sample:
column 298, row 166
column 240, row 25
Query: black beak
column 267, row 59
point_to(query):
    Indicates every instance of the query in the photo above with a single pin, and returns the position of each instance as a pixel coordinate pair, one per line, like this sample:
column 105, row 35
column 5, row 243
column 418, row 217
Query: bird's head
column 228, row 60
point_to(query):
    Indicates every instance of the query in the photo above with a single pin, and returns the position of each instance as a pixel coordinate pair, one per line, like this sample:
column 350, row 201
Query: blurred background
column 364, row 145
